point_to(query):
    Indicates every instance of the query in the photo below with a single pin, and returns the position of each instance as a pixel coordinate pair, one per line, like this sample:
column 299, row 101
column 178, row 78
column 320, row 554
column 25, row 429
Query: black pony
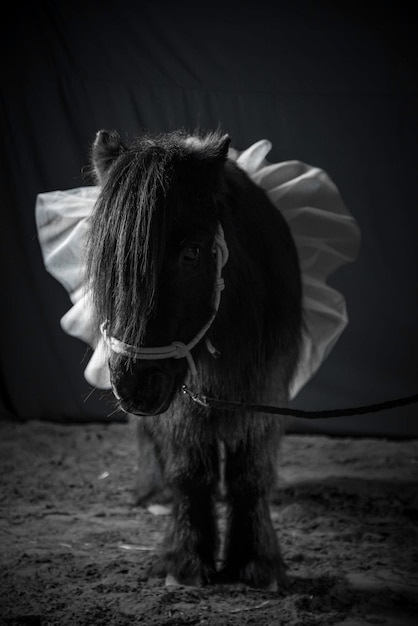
column 175, row 222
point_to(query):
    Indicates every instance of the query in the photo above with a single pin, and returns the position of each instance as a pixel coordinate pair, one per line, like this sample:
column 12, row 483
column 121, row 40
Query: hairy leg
column 149, row 485
column 252, row 553
column 190, row 544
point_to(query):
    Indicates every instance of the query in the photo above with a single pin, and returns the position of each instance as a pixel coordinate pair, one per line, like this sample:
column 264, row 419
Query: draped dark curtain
column 328, row 84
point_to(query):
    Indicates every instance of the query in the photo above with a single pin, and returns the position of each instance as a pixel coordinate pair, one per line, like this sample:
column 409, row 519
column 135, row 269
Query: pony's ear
column 222, row 147
column 214, row 157
column 204, row 159
column 107, row 147
column 211, row 147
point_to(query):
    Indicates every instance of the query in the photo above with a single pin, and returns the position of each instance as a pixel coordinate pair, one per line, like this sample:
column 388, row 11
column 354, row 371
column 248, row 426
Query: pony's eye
column 190, row 255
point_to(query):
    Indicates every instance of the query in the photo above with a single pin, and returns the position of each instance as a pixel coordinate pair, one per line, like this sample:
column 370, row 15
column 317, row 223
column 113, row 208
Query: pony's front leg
column 149, row 485
column 252, row 553
column 190, row 544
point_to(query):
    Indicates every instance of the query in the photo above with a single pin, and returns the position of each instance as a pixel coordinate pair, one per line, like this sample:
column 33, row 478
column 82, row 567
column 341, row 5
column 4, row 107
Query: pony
column 195, row 281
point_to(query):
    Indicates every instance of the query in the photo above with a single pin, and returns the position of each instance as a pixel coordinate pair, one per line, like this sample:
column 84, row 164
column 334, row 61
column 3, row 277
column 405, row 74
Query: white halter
column 178, row 349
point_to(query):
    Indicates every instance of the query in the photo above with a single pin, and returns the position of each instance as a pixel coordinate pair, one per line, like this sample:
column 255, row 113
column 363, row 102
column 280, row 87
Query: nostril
column 156, row 380
column 150, row 386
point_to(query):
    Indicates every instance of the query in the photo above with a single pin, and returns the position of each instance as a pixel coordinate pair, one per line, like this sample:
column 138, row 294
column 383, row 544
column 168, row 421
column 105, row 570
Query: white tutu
column 325, row 234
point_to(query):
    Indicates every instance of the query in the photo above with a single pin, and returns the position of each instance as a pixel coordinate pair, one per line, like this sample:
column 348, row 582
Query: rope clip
column 196, row 397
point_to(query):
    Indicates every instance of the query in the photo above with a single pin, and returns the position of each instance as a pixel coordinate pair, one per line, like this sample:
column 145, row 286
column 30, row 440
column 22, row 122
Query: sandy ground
column 75, row 550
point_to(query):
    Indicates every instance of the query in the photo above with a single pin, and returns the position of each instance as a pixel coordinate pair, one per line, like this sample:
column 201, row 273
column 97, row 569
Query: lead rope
column 178, row 349
column 261, row 408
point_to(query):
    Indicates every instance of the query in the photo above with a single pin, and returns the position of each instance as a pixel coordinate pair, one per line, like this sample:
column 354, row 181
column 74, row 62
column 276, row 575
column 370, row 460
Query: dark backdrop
column 326, row 83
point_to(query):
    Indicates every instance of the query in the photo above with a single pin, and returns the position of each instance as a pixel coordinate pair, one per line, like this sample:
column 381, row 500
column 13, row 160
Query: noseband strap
column 178, row 349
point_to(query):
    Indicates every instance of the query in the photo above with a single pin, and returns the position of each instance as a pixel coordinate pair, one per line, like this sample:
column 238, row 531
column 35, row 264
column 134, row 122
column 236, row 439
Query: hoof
column 186, row 574
column 273, row 586
column 171, row 581
column 259, row 574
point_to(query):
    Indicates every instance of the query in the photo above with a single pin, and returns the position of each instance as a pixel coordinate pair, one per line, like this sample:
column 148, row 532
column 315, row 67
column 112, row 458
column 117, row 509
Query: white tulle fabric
column 325, row 234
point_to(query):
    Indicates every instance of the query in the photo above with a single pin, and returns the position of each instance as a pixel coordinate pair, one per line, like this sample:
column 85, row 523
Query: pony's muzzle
column 145, row 392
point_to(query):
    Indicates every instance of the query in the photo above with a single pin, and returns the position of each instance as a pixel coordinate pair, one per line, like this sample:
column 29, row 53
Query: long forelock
column 130, row 226
column 126, row 244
